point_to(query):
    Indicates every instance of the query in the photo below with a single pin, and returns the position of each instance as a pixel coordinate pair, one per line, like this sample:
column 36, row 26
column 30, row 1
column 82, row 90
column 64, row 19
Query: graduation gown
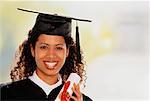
column 27, row 90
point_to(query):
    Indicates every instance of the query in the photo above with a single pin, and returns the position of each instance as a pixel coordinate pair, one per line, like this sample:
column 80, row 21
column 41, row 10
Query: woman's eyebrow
column 60, row 44
column 44, row 43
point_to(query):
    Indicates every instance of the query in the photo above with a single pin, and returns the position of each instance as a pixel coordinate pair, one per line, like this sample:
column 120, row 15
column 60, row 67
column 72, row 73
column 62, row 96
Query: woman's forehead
column 55, row 39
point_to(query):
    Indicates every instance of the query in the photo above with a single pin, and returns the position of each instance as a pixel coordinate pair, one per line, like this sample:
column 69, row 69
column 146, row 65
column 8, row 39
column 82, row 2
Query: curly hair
column 27, row 65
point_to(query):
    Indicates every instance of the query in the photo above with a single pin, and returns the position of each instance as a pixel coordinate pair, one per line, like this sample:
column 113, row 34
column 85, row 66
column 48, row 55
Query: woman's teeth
column 50, row 64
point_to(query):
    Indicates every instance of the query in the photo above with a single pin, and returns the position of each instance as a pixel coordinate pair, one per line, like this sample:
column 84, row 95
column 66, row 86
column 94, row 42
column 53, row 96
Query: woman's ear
column 67, row 52
column 32, row 50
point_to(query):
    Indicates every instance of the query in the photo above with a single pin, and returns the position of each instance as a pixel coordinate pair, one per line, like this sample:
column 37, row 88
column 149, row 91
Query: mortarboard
column 53, row 24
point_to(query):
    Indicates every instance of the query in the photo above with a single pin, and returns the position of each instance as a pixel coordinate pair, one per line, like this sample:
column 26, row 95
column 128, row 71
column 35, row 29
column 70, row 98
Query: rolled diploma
column 73, row 78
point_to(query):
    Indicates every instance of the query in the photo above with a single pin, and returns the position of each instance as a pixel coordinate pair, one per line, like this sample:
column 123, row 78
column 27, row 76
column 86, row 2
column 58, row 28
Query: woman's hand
column 77, row 92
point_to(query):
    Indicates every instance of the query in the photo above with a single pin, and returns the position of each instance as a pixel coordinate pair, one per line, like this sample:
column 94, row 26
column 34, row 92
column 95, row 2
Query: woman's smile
column 51, row 64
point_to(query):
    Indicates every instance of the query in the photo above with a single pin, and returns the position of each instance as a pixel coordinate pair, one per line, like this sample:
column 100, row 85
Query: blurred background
column 115, row 44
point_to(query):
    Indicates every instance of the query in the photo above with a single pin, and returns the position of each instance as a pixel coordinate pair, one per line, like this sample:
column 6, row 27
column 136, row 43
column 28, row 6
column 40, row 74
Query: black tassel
column 78, row 45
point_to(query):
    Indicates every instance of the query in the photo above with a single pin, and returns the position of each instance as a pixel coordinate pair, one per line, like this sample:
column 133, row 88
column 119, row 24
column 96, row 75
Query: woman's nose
column 51, row 53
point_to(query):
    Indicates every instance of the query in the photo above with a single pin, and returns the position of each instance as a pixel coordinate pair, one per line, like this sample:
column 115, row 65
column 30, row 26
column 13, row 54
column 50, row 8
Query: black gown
column 26, row 90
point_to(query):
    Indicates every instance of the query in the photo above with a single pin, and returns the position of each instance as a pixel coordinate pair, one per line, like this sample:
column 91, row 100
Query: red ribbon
column 65, row 96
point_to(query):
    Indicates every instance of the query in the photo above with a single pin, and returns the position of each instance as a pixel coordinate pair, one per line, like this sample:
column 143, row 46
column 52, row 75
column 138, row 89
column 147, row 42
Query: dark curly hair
column 27, row 65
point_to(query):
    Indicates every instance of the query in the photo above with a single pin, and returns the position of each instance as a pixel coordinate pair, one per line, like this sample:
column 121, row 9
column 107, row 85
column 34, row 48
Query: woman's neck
column 49, row 79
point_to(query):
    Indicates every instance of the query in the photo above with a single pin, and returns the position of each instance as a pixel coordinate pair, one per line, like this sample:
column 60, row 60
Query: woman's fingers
column 78, row 95
column 76, row 90
column 74, row 98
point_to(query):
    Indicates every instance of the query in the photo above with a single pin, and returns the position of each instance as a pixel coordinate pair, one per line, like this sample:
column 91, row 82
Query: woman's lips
column 50, row 65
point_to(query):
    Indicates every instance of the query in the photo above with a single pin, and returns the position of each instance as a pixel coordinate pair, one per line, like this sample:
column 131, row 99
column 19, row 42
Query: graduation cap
column 53, row 24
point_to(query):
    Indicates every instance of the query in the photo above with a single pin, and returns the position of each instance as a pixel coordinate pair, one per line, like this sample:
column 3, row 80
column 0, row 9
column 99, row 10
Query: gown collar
column 46, row 87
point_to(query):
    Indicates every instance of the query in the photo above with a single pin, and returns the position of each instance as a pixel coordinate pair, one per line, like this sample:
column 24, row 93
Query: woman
column 48, row 57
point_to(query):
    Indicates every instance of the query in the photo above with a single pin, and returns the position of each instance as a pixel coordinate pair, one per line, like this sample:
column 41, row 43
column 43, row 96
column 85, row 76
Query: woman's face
column 50, row 53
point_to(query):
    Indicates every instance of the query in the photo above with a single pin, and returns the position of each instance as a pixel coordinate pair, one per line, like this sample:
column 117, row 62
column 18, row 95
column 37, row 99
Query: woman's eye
column 59, row 48
column 43, row 47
